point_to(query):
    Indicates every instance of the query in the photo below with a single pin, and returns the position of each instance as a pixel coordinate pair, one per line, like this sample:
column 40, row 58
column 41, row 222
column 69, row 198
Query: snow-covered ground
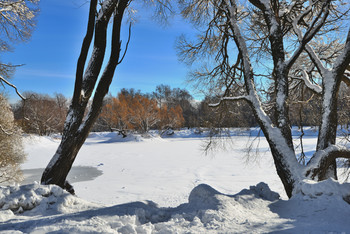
column 167, row 185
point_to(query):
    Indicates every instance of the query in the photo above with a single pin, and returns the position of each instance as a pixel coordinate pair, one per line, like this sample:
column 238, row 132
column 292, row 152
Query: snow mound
column 329, row 187
column 262, row 191
column 38, row 198
column 203, row 196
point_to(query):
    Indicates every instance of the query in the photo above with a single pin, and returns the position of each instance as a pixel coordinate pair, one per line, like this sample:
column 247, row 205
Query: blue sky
column 50, row 56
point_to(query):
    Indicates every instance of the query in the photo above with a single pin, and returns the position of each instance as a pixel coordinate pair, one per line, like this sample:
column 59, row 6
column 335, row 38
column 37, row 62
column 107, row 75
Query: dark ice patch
column 76, row 174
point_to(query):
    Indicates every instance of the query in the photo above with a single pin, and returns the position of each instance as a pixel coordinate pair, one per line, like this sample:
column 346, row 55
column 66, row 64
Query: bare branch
column 311, row 31
column 127, row 45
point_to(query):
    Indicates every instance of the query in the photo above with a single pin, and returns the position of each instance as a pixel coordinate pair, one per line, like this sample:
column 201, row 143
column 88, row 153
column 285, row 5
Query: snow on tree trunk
column 329, row 122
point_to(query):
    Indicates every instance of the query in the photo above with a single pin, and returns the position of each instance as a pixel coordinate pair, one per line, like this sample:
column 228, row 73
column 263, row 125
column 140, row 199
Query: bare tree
column 240, row 36
column 41, row 114
column 162, row 94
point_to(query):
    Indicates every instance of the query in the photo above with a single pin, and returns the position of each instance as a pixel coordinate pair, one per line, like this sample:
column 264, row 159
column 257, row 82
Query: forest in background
column 165, row 108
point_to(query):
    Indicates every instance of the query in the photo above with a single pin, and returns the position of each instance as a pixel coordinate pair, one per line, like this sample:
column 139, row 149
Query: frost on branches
column 17, row 20
column 264, row 50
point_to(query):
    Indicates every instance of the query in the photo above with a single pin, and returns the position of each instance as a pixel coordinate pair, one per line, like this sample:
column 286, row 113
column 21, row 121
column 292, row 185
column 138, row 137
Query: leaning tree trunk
column 78, row 125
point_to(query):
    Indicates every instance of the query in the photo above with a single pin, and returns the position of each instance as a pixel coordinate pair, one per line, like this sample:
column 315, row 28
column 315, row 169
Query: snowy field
column 167, row 185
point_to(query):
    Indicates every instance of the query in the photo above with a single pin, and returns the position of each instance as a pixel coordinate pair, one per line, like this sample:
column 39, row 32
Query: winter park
column 121, row 116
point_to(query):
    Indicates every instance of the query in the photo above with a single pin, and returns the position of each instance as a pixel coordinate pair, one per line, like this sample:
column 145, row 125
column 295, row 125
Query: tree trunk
column 282, row 170
column 57, row 170
column 279, row 156
column 77, row 128
column 328, row 128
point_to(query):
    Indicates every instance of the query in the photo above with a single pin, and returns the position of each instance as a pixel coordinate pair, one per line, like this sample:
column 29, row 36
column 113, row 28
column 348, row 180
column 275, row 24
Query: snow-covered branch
column 242, row 47
column 238, row 98
column 281, row 145
column 305, row 77
column 270, row 17
column 323, row 158
column 2, row 79
column 316, row 60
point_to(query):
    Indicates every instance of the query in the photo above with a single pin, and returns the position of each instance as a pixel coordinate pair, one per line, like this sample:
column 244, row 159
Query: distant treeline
column 165, row 108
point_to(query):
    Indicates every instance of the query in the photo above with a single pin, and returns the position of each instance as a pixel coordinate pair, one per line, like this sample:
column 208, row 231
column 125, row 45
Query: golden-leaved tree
column 140, row 113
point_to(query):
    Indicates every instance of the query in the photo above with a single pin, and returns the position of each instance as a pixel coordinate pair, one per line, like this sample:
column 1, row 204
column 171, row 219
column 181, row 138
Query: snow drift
column 36, row 208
